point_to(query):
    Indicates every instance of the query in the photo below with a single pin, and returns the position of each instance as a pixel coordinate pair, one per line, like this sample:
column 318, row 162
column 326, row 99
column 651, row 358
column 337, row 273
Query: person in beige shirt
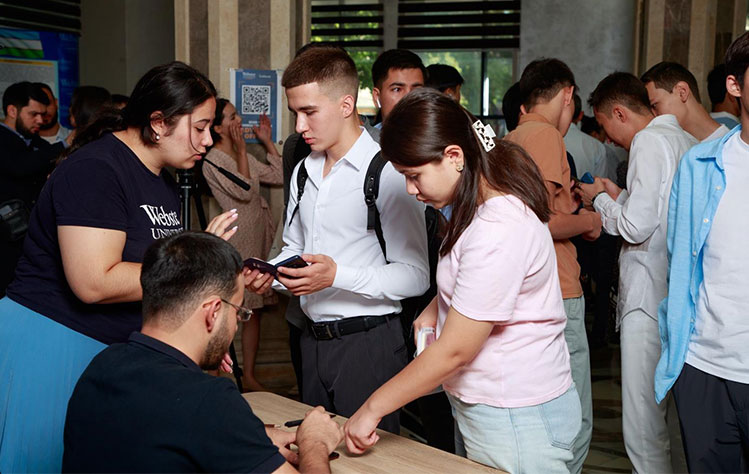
column 255, row 222
column 547, row 87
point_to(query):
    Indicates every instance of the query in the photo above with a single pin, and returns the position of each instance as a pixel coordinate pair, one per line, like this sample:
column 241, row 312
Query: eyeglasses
column 243, row 314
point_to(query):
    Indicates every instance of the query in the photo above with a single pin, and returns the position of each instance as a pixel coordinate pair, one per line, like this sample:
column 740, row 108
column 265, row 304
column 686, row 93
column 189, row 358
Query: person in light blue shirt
column 703, row 323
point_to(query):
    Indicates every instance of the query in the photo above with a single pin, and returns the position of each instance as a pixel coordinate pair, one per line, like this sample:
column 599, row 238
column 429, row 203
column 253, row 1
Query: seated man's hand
column 318, row 275
column 596, row 223
column 282, row 439
column 360, row 430
column 257, row 282
column 318, row 429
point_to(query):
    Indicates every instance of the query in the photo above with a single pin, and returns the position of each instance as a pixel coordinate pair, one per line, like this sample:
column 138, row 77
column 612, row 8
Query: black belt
column 343, row 327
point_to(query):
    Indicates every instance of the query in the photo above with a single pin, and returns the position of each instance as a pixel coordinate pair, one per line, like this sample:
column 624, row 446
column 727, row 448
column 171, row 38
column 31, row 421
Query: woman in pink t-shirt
column 500, row 351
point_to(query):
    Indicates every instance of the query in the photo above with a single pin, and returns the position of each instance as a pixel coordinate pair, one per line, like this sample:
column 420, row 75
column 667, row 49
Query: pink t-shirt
column 503, row 268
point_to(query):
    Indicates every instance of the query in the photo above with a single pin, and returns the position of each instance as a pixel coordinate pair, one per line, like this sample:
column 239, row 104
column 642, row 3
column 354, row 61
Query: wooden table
column 391, row 454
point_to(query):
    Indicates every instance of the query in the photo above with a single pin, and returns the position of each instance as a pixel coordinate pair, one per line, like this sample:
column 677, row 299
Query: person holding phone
column 500, row 352
column 77, row 288
column 255, row 217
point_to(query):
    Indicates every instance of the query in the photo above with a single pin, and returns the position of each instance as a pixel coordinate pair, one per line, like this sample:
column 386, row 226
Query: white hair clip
column 486, row 134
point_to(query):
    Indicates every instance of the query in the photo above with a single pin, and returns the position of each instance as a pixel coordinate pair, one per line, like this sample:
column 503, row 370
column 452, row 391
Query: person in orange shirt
column 547, row 87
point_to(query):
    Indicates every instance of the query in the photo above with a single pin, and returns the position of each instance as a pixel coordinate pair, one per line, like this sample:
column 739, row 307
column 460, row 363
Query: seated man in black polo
column 146, row 406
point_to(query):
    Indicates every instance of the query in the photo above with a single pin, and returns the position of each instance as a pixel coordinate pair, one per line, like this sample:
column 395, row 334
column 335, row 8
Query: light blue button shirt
column 698, row 186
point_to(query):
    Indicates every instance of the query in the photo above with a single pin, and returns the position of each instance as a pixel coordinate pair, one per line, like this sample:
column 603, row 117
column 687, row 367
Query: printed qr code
column 255, row 99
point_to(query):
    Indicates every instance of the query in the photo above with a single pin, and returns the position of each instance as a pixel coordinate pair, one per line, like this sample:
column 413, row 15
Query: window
column 478, row 38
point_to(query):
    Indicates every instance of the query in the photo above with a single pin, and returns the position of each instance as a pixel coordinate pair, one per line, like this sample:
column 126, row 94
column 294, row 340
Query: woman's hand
column 227, row 364
column 263, row 129
column 257, row 282
column 235, row 132
column 360, row 430
column 219, row 225
column 427, row 318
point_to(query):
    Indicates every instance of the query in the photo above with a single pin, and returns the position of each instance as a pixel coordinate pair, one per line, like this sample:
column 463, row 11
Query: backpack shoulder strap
column 301, row 181
column 371, row 190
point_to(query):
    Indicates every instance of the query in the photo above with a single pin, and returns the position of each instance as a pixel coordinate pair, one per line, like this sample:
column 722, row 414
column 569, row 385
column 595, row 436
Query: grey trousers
column 341, row 373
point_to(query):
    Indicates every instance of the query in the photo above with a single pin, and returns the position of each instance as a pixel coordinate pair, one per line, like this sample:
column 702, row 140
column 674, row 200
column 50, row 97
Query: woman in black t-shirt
column 77, row 285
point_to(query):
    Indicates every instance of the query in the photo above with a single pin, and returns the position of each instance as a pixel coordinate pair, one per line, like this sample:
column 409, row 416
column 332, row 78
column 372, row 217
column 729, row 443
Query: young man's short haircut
column 395, row 59
column 180, row 270
column 737, row 58
column 20, row 93
column 330, row 67
column 542, row 80
column 620, row 88
column 443, row 77
column 665, row 75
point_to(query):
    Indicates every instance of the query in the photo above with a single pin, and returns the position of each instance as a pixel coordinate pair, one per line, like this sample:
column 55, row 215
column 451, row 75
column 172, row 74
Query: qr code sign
column 255, row 100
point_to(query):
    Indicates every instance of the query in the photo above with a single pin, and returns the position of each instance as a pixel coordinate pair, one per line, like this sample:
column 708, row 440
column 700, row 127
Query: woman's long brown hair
column 425, row 122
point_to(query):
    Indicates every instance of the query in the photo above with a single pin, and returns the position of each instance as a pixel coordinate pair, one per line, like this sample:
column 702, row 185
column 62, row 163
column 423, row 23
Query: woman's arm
column 92, row 260
column 461, row 339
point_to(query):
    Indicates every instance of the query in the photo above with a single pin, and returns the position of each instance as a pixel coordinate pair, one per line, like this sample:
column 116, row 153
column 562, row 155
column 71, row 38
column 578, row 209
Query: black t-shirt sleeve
column 89, row 193
column 234, row 438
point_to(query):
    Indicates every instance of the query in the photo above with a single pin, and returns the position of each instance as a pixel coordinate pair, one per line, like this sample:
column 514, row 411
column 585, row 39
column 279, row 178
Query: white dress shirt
column 717, row 133
column 720, row 339
column 332, row 220
column 640, row 214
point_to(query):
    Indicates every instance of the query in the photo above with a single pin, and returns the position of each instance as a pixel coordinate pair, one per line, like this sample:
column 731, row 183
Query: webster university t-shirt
column 503, row 269
column 102, row 185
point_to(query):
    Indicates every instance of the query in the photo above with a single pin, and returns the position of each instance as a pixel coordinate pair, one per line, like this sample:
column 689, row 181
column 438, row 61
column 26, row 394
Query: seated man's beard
column 218, row 345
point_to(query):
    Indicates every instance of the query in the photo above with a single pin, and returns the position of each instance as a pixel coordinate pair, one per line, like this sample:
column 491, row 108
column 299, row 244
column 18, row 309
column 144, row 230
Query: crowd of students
column 511, row 353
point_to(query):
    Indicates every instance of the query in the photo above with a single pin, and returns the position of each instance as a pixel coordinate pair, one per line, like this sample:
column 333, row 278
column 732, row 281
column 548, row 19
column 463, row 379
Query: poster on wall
column 60, row 49
column 255, row 93
column 14, row 70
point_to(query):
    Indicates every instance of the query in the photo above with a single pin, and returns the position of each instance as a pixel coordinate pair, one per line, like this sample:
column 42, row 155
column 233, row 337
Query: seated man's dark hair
column 45, row 87
column 180, row 270
column 443, row 77
column 542, row 79
column 20, row 93
column 87, row 103
column 511, row 106
column 737, row 58
column 620, row 88
column 395, row 59
column 665, row 75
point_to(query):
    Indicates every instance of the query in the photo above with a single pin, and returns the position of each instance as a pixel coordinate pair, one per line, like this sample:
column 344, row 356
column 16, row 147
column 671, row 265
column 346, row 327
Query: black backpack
column 413, row 306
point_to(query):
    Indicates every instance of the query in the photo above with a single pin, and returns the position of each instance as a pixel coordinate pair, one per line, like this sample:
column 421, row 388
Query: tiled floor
column 607, row 454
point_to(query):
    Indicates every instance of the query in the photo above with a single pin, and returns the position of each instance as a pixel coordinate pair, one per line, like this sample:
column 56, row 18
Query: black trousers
column 341, row 373
column 714, row 416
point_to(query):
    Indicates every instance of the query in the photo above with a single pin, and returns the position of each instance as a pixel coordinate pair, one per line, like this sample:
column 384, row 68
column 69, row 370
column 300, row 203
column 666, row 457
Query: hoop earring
column 459, row 167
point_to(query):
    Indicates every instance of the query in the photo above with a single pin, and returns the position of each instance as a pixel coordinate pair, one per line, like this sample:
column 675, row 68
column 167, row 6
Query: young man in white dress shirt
column 350, row 292
column 672, row 89
column 638, row 215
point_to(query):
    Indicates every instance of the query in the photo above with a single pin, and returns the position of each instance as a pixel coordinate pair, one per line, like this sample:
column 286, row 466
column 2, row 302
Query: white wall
column 594, row 37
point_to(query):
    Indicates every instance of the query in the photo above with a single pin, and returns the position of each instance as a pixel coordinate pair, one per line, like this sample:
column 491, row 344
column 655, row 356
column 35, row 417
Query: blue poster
column 60, row 47
column 255, row 93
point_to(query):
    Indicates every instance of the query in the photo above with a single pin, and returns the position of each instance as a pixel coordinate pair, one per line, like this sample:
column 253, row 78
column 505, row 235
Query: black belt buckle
column 323, row 332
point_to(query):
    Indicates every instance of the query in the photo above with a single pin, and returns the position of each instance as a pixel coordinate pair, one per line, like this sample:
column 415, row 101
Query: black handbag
column 14, row 220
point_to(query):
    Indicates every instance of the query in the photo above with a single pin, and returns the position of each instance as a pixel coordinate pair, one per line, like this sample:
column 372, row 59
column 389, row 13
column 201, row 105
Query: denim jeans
column 577, row 343
column 530, row 439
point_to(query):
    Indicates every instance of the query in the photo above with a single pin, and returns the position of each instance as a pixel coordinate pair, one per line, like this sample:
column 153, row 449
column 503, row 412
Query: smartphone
column 587, row 178
column 293, row 262
column 261, row 266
